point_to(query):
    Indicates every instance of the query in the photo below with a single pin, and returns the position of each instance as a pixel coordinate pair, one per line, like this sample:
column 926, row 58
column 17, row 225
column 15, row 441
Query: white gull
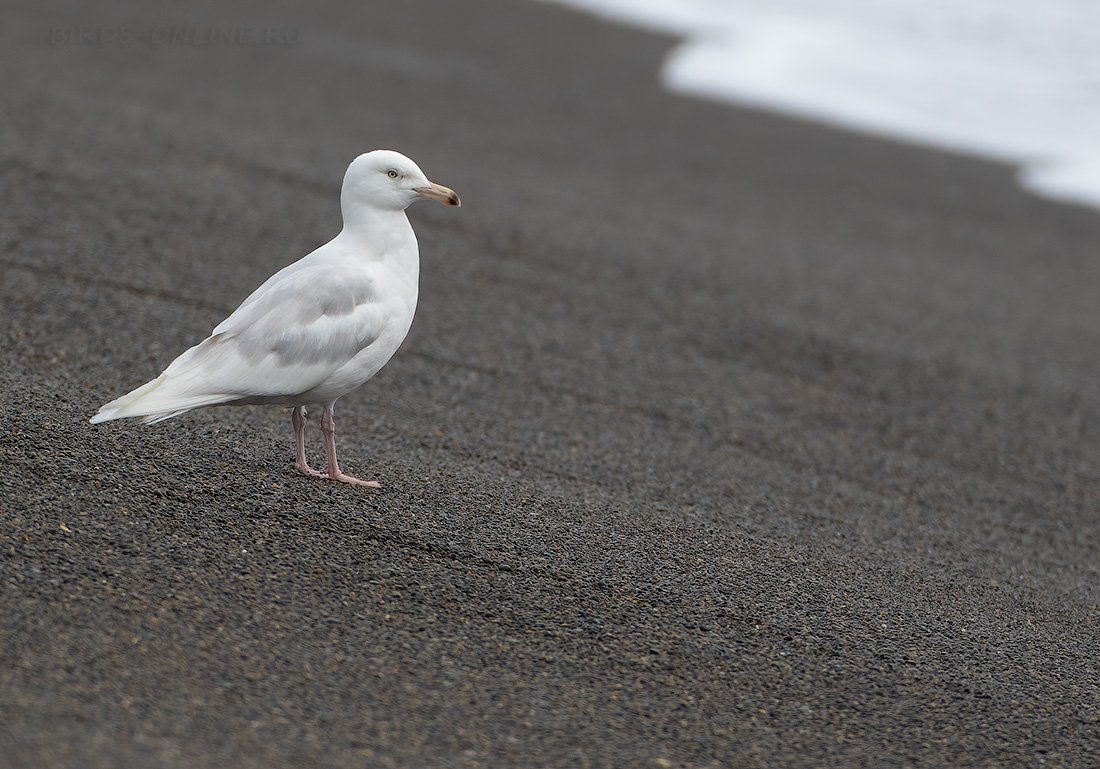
column 317, row 329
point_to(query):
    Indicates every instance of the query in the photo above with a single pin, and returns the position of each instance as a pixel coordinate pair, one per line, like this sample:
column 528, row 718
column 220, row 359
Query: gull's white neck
column 381, row 236
column 369, row 222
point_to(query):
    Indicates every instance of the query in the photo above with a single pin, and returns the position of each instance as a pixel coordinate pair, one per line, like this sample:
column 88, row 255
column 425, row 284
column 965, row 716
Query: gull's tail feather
column 183, row 386
column 155, row 401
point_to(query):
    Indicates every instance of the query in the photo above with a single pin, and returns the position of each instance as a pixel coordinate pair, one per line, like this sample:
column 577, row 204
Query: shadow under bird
column 317, row 329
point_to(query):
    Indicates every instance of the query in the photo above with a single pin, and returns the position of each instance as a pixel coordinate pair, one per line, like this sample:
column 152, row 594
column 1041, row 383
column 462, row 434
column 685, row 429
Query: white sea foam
column 1012, row 80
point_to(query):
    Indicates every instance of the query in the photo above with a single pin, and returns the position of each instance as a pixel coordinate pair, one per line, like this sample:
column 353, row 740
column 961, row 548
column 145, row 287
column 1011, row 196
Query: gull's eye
column 393, row 174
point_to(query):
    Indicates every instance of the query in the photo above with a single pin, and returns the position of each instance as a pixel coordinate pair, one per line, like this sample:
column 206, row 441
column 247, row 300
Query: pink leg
column 298, row 419
column 328, row 427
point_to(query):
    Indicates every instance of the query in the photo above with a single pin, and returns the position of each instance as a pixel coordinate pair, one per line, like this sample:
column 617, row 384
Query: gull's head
column 387, row 180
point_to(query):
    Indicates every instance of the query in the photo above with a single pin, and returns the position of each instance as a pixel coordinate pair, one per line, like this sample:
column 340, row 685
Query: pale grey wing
column 292, row 336
column 306, row 279
column 288, row 337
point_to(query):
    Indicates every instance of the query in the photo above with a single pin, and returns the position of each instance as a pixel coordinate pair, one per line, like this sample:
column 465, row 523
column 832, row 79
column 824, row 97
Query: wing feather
column 285, row 339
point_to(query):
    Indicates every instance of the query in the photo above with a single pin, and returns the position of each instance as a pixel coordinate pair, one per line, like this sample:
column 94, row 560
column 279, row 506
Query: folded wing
column 285, row 339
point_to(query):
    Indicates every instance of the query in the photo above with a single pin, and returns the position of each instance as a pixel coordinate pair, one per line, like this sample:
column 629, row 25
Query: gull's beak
column 438, row 192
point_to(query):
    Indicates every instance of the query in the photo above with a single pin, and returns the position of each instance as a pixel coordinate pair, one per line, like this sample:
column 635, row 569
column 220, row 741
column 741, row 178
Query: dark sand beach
column 719, row 440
